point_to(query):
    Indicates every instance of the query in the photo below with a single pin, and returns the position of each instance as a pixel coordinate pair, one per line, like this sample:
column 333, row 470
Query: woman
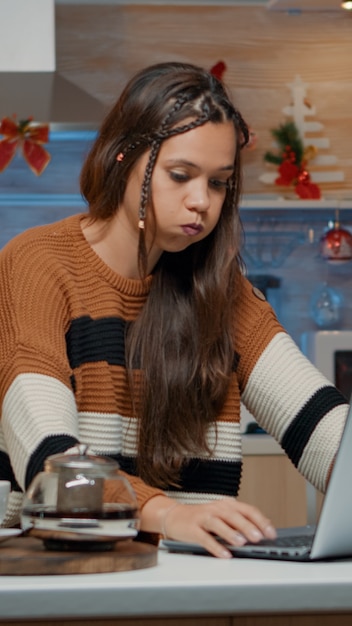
column 132, row 328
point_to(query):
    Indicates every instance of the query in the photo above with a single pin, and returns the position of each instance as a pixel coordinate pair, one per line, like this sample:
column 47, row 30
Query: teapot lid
column 80, row 460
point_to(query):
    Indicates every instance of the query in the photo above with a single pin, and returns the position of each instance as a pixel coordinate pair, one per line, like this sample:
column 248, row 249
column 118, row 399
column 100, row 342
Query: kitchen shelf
column 264, row 203
column 42, row 199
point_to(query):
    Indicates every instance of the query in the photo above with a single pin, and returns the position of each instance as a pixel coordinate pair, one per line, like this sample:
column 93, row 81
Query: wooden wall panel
column 100, row 47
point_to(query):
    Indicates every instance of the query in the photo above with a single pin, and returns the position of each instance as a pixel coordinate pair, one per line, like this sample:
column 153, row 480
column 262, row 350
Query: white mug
column 5, row 488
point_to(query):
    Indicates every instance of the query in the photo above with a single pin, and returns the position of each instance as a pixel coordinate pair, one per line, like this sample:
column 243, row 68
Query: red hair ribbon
column 28, row 136
column 218, row 69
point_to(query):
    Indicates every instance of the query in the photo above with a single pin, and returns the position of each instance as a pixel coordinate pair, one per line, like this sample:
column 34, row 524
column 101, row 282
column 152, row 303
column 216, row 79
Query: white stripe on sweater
column 35, row 406
column 298, row 380
column 112, row 433
column 318, row 454
column 193, row 497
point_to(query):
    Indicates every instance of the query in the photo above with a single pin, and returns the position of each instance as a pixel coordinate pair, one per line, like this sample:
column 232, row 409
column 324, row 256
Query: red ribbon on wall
column 27, row 136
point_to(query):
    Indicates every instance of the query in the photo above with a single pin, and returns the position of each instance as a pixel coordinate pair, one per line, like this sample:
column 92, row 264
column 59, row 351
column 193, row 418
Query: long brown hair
column 183, row 338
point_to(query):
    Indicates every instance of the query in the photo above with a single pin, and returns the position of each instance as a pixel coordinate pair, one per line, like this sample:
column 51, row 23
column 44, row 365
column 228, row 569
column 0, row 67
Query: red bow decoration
column 292, row 174
column 28, row 136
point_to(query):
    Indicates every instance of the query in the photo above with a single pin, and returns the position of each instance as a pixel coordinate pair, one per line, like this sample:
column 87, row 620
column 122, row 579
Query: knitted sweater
column 63, row 380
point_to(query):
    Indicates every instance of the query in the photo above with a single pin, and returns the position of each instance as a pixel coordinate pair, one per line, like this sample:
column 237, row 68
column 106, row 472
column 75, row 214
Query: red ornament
column 305, row 188
column 303, row 177
column 28, row 136
column 336, row 244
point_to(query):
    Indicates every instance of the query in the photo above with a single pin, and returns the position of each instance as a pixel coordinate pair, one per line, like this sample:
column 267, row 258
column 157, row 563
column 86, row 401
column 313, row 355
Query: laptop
column 331, row 538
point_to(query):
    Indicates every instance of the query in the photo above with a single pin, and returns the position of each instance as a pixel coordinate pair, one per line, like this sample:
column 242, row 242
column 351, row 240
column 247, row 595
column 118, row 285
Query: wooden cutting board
column 26, row 556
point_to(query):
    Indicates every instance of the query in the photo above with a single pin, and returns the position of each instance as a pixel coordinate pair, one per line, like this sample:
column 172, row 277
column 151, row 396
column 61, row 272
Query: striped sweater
column 63, row 314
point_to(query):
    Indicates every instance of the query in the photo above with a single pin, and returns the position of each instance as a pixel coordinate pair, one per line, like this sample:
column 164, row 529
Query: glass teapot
column 80, row 497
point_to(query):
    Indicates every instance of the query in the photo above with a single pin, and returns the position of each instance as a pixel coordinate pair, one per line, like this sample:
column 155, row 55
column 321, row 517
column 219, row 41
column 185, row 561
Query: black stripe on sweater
column 200, row 476
column 303, row 425
column 55, row 444
column 6, row 471
column 90, row 341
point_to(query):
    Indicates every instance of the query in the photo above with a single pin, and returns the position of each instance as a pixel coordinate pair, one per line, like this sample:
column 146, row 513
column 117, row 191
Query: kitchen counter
column 185, row 586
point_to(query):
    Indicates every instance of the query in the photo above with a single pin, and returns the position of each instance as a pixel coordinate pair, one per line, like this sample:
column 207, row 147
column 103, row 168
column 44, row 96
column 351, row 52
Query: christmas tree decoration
column 27, row 136
column 300, row 143
column 292, row 160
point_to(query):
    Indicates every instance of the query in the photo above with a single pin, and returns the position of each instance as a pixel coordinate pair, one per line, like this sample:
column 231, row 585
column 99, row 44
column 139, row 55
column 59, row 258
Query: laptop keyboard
column 294, row 541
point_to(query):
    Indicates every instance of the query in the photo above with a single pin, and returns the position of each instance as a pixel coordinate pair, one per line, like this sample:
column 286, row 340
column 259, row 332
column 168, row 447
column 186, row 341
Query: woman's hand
column 234, row 521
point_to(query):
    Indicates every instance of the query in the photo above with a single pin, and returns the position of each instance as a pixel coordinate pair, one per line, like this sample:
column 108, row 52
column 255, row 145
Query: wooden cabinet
column 272, row 483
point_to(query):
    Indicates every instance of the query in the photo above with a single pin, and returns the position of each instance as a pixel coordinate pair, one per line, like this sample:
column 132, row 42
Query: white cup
column 5, row 488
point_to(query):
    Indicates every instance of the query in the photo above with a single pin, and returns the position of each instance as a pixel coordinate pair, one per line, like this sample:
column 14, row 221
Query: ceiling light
column 347, row 4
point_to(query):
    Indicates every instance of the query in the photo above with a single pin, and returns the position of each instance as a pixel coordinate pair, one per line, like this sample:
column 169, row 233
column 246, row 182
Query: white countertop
column 182, row 585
